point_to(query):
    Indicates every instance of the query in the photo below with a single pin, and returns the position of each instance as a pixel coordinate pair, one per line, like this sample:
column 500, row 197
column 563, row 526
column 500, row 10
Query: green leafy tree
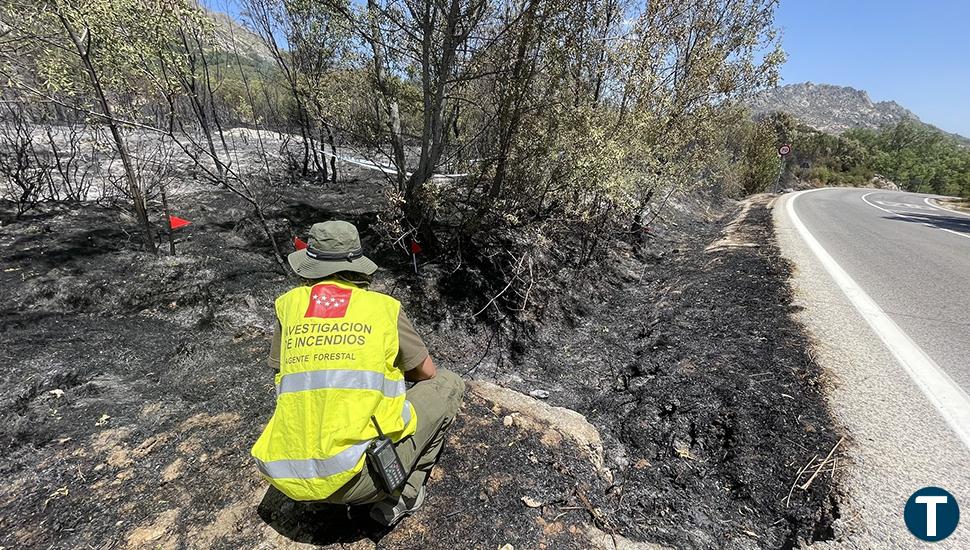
column 97, row 57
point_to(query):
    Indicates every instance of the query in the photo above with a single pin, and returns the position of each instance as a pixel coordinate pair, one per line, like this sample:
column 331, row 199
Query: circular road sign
column 784, row 149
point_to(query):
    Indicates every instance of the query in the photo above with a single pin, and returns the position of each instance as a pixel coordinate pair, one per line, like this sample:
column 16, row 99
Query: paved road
column 911, row 257
column 884, row 278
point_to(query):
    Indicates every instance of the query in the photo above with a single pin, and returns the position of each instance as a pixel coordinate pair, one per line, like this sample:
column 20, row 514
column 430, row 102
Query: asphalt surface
column 912, row 259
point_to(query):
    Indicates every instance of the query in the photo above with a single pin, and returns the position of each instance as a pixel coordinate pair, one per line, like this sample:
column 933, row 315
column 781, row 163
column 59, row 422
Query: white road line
column 947, row 210
column 922, row 221
column 949, row 399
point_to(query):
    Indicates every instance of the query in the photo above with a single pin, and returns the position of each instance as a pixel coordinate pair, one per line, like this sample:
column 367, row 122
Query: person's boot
column 392, row 510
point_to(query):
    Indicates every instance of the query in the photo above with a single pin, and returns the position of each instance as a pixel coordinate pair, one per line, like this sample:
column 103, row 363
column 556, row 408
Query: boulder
column 554, row 423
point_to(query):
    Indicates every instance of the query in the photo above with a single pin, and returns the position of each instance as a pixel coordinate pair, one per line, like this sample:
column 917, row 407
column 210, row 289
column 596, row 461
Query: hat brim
column 309, row 268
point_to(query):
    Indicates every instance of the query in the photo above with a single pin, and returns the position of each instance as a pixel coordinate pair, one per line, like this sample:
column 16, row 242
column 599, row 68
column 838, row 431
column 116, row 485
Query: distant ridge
column 232, row 37
column 830, row 108
column 835, row 109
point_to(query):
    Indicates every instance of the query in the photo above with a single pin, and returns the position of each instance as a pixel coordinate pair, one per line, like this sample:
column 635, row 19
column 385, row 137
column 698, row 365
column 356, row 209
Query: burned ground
column 704, row 389
column 133, row 387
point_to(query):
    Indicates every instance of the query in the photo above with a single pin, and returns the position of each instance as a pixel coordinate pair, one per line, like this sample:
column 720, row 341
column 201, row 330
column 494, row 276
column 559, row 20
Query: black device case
column 383, row 460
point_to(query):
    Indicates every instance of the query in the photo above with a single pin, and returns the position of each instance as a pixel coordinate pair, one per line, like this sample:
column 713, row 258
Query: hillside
column 646, row 431
column 231, row 36
column 829, row 108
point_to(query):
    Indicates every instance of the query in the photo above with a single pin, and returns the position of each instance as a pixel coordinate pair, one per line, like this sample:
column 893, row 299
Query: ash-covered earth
column 133, row 387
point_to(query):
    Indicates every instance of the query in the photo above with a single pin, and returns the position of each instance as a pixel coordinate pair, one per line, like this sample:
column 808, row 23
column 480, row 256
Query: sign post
column 783, row 153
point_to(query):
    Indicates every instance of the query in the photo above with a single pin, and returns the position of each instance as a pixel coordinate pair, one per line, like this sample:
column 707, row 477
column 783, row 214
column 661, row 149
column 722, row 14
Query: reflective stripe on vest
column 337, row 370
column 340, row 379
column 312, row 468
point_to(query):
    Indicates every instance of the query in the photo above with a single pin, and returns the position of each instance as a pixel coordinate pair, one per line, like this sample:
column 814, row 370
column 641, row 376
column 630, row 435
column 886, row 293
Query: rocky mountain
column 231, row 37
column 831, row 108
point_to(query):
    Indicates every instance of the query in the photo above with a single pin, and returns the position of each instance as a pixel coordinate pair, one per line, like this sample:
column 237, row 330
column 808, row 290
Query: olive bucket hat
column 332, row 247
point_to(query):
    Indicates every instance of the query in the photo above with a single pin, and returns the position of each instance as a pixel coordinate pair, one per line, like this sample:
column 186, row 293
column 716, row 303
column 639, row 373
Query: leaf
column 682, row 450
column 61, row 492
column 531, row 502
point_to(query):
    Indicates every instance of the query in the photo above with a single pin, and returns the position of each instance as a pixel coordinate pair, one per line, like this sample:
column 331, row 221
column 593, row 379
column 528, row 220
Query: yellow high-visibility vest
column 337, row 351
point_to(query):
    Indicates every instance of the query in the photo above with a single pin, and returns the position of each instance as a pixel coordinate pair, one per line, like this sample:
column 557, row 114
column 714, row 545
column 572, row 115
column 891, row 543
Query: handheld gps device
column 383, row 460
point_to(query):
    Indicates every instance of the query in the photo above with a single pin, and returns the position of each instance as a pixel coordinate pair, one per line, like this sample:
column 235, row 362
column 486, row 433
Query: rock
column 554, row 423
column 531, row 502
column 151, row 534
column 539, row 394
column 882, row 182
column 602, row 540
column 173, row 471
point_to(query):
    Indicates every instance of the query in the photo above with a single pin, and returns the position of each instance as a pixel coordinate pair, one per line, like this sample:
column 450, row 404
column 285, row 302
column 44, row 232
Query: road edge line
column 947, row 397
column 946, row 209
column 910, row 216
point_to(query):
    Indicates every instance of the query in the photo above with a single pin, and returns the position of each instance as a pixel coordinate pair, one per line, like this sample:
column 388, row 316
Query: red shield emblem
column 328, row 301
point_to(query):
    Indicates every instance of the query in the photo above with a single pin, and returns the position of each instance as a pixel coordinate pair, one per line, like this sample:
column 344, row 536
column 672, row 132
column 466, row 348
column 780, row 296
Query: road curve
column 911, row 257
column 891, row 321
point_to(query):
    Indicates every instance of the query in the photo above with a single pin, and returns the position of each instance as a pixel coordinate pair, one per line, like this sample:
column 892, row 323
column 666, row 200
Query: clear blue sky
column 914, row 52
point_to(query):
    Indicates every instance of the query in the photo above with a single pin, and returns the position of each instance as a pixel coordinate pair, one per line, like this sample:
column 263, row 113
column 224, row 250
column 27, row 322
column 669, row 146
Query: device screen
column 387, row 457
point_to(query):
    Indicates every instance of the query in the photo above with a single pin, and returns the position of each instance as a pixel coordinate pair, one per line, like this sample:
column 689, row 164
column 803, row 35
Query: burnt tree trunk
column 83, row 45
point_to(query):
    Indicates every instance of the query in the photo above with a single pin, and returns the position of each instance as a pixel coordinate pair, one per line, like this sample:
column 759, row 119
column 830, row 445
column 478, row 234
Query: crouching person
column 343, row 354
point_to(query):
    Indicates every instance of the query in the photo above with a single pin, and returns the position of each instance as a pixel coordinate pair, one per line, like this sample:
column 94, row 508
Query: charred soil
column 133, row 387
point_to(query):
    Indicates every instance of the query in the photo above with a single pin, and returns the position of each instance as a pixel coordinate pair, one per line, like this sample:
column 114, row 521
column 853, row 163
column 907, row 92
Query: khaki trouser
column 436, row 402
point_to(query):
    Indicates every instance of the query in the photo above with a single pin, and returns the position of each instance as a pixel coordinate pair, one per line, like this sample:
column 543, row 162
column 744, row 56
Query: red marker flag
column 298, row 243
column 176, row 222
column 415, row 247
column 328, row 302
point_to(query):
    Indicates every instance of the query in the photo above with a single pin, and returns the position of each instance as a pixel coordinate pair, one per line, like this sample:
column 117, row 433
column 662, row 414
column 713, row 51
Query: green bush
column 914, row 156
